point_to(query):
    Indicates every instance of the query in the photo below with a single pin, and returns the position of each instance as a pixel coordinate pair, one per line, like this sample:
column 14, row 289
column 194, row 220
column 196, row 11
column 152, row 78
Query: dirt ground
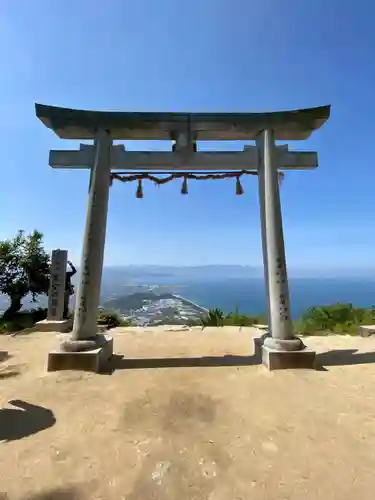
column 188, row 415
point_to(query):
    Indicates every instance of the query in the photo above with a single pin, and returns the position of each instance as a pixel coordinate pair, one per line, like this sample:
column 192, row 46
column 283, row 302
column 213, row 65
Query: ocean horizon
column 250, row 297
column 248, row 294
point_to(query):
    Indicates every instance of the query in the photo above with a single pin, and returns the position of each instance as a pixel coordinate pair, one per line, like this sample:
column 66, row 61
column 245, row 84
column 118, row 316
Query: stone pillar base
column 51, row 325
column 279, row 360
column 291, row 344
column 93, row 360
column 258, row 343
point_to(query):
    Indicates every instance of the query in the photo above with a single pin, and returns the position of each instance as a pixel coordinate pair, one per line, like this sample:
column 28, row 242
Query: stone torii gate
column 85, row 348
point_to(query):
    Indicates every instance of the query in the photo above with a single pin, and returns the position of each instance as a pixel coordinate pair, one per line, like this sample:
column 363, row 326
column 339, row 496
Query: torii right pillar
column 281, row 348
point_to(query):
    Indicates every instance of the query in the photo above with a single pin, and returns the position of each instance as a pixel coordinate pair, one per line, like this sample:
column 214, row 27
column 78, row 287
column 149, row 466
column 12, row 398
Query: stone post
column 88, row 292
column 281, row 336
column 55, row 321
column 57, row 285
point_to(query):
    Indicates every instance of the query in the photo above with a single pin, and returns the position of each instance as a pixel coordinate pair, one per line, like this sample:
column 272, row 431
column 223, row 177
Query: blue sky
column 201, row 55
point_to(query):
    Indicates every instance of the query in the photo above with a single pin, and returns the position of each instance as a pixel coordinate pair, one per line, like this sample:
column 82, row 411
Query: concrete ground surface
column 188, row 415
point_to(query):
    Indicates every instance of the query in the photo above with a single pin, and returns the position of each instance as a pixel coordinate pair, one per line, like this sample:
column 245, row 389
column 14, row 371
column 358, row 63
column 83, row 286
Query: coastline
column 190, row 302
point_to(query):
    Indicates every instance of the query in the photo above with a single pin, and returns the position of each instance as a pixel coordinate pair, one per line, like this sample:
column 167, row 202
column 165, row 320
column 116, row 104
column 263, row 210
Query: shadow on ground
column 4, row 355
column 343, row 357
column 68, row 493
column 8, row 371
column 56, row 494
column 118, row 362
column 24, row 420
column 337, row 357
column 61, row 493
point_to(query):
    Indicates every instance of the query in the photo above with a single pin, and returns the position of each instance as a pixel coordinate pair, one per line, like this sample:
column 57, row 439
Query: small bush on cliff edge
column 111, row 319
column 22, row 320
column 238, row 319
column 336, row 318
column 216, row 317
column 318, row 320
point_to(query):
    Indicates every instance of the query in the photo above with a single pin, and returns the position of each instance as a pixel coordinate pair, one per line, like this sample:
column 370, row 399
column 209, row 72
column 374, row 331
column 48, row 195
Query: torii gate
column 281, row 348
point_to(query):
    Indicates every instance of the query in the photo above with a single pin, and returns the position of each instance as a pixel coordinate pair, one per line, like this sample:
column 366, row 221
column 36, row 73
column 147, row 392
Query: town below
column 152, row 305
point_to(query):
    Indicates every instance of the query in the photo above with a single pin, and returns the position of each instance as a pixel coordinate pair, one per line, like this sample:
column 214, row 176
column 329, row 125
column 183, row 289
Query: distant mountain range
column 183, row 272
column 115, row 279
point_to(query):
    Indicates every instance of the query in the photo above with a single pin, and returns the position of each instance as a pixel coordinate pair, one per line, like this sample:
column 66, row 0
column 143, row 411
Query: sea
column 249, row 296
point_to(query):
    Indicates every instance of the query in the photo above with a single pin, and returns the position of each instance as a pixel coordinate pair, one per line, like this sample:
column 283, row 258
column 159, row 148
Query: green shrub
column 109, row 318
column 215, row 317
column 22, row 320
column 19, row 322
column 38, row 314
column 336, row 318
column 126, row 322
column 112, row 319
column 340, row 319
column 238, row 319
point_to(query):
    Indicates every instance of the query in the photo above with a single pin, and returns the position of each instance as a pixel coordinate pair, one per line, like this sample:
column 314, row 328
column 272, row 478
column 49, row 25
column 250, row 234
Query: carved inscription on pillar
column 283, row 298
column 85, row 282
column 280, row 271
column 284, row 309
column 57, row 285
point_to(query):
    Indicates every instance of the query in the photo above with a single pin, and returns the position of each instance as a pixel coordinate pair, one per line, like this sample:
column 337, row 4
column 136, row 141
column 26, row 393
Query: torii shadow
column 336, row 357
column 343, row 357
column 118, row 362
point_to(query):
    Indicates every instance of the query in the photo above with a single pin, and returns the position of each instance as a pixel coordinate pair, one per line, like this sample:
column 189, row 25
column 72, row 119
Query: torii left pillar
column 85, row 349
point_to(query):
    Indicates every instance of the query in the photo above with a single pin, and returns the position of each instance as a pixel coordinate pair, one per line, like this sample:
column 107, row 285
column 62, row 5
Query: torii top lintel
column 80, row 124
